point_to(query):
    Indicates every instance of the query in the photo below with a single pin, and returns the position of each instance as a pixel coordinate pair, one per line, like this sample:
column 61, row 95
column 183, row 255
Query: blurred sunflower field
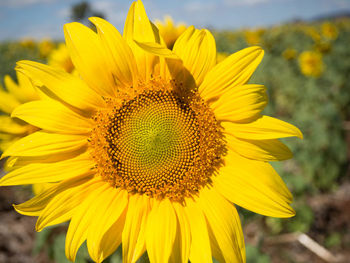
column 306, row 70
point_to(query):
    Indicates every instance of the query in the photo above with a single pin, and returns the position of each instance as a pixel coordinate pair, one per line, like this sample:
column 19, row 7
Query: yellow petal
column 170, row 65
column 89, row 58
column 7, row 102
column 122, row 59
column 138, row 27
column 27, row 90
column 135, row 226
column 82, row 218
column 253, row 185
column 112, row 238
column 197, row 49
column 24, row 91
column 240, row 104
column 183, row 235
column 224, row 225
column 200, row 244
column 6, row 140
column 161, row 231
column 62, row 85
column 53, row 116
column 264, row 128
column 15, row 162
column 106, row 215
column 35, row 173
column 261, row 150
column 235, row 70
column 43, row 143
column 157, row 49
column 9, row 125
column 63, row 205
column 34, row 206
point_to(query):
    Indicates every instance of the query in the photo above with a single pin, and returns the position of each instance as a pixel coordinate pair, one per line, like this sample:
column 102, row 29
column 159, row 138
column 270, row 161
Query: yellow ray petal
column 89, row 58
column 106, row 215
column 161, row 231
column 43, row 143
column 157, row 49
column 24, row 91
column 35, row 173
column 240, row 104
column 34, row 206
column 254, row 185
column 5, row 141
column 264, row 128
column 9, row 125
column 63, row 205
column 197, row 49
column 183, row 235
column 235, row 70
column 123, row 62
column 200, row 244
column 170, row 65
column 60, row 84
column 27, row 89
column 112, row 238
column 53, row 116
column 261, row 150
column 224, row 225
column 82, row 218
column 7, row 102
column 135, row 226
column 138, row 27
column 15, row 162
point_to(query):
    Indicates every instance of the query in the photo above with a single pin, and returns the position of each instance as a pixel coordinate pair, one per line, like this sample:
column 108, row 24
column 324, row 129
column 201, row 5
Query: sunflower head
column 157, row 142
column 289, row 53
column 150, row 147
column 329, row 30
column 311, row 63
column 169, row 31
column 59, row 57
column 45, row 47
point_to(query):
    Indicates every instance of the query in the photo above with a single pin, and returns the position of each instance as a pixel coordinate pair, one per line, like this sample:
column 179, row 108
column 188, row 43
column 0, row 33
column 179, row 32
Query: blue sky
column 45, row 18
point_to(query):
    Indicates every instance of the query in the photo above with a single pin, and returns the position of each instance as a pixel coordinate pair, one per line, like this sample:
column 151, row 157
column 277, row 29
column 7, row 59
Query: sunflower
column 329, row 31
column 289, row 53
column 45, row 47
column 150, row 147
column 12, row 129
column 311, row 63
column 253, row 37
column 169, row 31
column 60, row 57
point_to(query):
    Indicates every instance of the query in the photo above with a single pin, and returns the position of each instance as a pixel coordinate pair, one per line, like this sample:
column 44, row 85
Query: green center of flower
column 158, row 144
column 153, row 137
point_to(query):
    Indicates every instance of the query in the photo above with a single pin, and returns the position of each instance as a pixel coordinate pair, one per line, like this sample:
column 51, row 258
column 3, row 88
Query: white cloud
column 244, row 2
column 23, row 3
column 64, row 13
column 193, row 7
column 114, row 11
column 43, row 31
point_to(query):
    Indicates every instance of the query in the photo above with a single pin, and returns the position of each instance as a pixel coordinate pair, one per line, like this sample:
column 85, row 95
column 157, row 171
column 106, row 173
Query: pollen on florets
column 157, row 142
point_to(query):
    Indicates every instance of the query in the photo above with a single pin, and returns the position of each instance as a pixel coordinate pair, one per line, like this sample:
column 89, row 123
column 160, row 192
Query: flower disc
column 158, row 144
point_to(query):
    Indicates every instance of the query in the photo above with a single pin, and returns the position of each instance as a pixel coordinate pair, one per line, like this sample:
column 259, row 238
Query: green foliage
column 254, row 255
column 11, row 52
column 334, row 239
column 318, row 106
